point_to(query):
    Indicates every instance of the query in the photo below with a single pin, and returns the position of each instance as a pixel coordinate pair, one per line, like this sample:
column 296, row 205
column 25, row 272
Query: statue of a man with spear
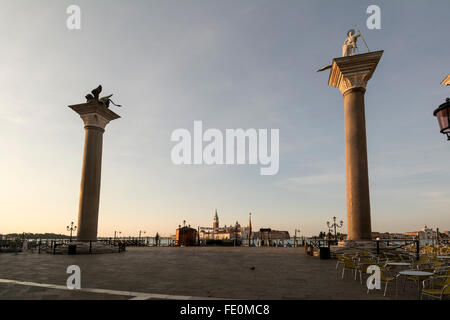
column 349, row 48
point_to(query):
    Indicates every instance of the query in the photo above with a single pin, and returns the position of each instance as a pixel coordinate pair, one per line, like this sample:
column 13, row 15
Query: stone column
column 95, row 117
column 351, row 74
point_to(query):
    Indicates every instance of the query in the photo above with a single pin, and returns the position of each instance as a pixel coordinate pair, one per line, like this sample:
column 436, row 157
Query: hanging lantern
column 443, row 116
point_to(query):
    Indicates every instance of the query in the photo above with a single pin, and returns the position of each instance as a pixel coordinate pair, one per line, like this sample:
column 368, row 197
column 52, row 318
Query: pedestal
column 351, row 74
column 95, row 117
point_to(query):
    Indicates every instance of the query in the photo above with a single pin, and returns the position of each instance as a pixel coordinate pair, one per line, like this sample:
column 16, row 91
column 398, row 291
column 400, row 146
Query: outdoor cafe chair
column 384, row 279
column 349, row 266
column 445, row 280
column 423, row 260
column 438, row 293
column 341, row 259
column 362, row 269
column 404, row 258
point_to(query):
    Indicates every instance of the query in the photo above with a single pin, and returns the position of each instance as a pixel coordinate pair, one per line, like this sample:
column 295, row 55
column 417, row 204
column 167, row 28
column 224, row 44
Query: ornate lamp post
column 335, row 225
column 295, row 237
column 71, row 228
column 140, row 232
column 442, row 113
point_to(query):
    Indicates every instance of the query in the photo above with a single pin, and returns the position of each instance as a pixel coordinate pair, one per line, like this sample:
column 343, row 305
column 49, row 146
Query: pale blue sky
column 231, row 64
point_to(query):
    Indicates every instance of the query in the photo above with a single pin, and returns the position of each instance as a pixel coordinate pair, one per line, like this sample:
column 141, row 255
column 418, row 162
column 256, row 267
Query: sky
column 231, row 64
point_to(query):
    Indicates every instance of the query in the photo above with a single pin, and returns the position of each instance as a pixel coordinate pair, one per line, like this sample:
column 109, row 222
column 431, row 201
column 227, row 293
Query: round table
column 398, row 264
column 416, row 273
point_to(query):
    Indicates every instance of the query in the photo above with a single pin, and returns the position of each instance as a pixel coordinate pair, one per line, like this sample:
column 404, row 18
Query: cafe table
column 422, row 275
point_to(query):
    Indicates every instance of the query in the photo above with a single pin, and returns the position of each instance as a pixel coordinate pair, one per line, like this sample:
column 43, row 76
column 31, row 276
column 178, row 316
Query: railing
column 388, row 242
column 11, row 245
column 142, row 242
column 320, row 243
column 118, row 245
column 52, row 245
column 443, row 241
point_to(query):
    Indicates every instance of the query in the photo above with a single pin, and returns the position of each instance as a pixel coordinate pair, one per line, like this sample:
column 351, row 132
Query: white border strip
column 134, row 295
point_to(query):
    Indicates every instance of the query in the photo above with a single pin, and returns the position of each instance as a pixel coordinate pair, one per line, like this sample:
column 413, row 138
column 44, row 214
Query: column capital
column 353, row 72
column 94, row 114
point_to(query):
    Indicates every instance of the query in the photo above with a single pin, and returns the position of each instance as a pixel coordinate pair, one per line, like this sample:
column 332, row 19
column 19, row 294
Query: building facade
column 231, row 232
column 424, row 234
column 265, row 237
column 186, row 236
column 239, row 235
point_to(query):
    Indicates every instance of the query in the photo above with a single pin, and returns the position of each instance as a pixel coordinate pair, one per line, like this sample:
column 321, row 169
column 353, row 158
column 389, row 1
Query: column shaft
column 357, row 176
column 90, row 184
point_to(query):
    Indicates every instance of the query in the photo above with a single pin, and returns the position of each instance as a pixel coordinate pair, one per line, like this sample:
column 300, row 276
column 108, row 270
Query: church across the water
column 235, row 234
column 231, row 232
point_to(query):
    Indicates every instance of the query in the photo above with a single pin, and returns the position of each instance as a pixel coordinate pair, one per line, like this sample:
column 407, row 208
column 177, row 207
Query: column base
column 360, row 244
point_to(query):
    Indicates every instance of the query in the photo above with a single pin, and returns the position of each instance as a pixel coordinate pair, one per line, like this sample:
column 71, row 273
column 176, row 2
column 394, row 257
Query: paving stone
column 219, row 272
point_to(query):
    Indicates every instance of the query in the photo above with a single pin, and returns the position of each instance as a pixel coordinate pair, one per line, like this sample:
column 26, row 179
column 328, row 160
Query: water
column 166, row 241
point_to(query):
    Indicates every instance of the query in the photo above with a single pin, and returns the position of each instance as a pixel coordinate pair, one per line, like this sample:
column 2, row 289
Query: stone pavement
column 215, row 272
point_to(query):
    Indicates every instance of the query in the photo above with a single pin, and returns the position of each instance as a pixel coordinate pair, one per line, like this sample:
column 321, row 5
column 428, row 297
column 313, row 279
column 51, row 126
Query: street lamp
column 71, row 228
column 335, row 225
column 443, row 116
column 140, row 232
column 295, row 237
column 115, row 233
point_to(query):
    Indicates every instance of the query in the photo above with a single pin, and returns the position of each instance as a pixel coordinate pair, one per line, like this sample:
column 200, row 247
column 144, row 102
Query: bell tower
column 216, row 221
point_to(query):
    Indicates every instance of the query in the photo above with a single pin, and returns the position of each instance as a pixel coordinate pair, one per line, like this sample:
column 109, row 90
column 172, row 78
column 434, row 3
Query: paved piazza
column 184, row 273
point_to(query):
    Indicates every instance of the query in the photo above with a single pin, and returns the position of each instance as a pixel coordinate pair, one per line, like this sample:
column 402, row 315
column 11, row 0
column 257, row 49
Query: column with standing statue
column 350, row 74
